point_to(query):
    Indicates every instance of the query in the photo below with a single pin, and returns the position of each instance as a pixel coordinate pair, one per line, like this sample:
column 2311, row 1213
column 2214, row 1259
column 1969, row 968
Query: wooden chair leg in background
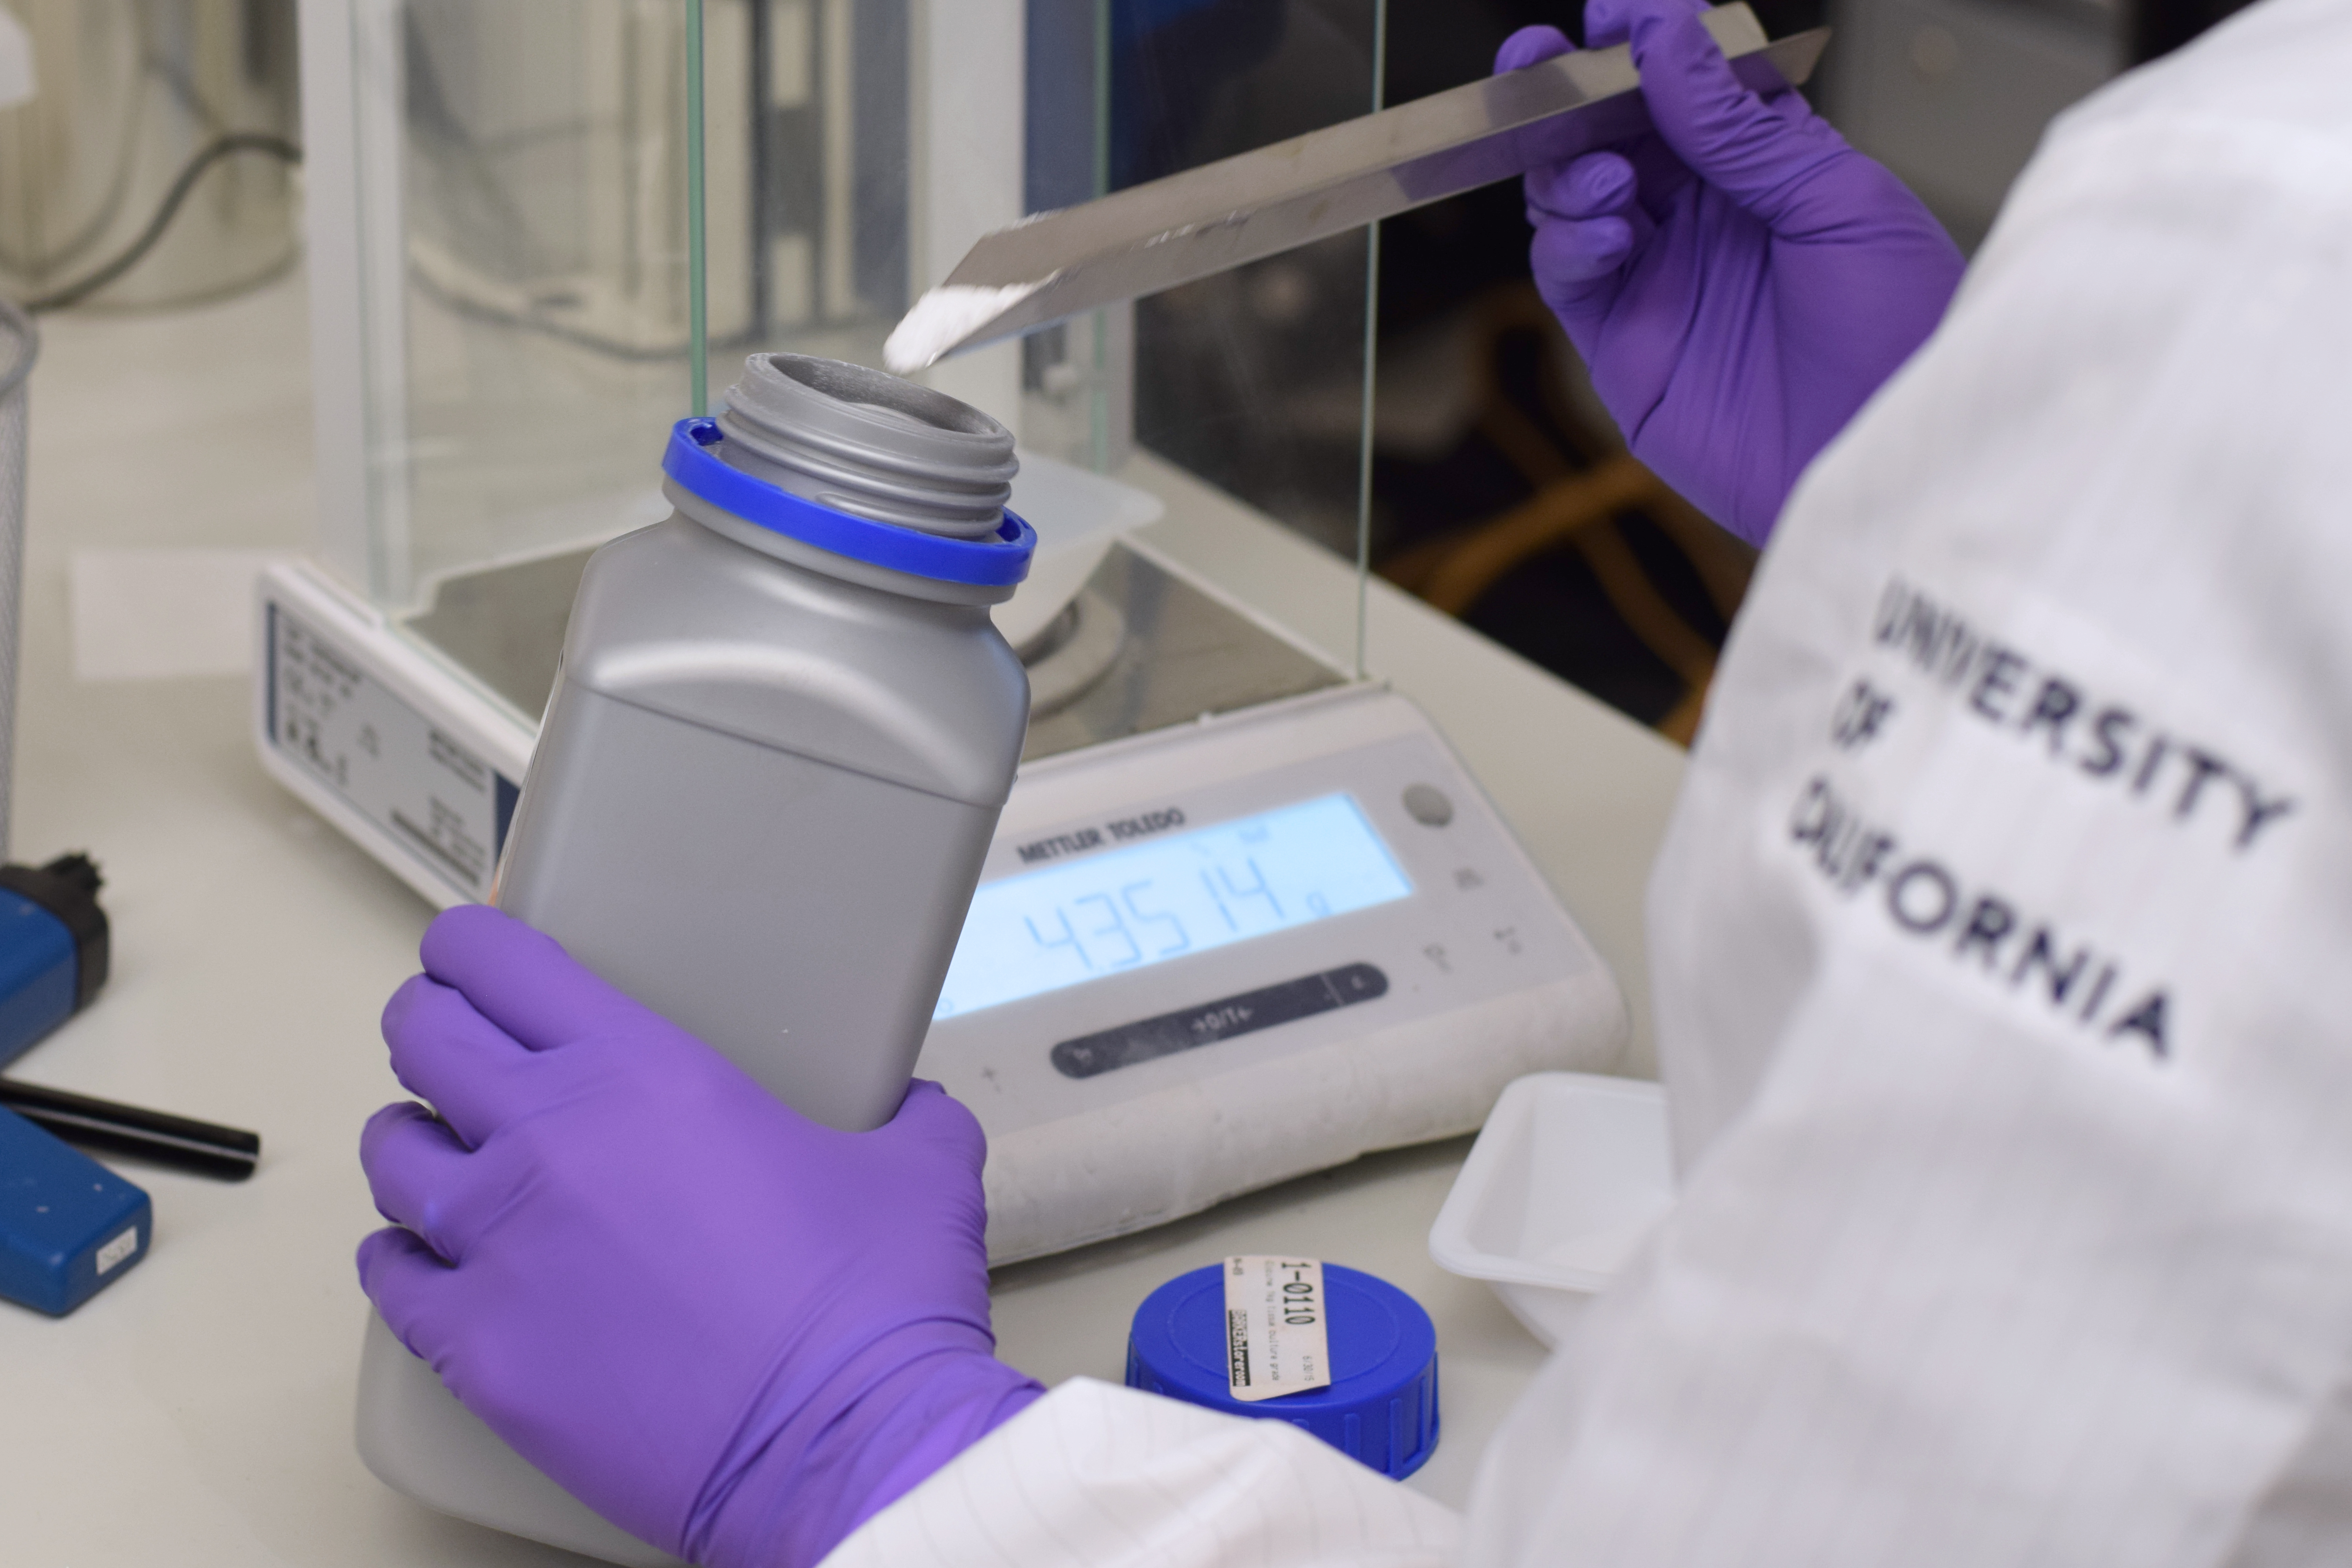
column 1577, row 505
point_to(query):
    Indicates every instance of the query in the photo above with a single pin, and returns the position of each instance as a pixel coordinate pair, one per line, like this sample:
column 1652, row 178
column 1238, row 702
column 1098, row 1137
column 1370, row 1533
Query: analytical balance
column 1246, row 916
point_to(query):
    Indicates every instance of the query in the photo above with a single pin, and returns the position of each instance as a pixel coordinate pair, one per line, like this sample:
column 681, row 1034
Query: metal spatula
column 1190, row 226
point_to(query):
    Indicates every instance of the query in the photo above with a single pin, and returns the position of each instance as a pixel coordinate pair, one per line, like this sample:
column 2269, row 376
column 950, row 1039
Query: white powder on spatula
column 946, row 316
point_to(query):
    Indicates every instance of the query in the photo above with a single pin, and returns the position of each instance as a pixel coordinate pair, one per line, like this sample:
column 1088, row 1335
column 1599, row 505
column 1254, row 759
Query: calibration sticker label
column 443, row 804
column 2178, row 782
column 1277, row 1335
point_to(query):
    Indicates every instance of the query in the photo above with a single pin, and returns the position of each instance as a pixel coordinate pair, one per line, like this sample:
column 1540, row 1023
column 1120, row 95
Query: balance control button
column 1148, row 1040
column 1428, row 805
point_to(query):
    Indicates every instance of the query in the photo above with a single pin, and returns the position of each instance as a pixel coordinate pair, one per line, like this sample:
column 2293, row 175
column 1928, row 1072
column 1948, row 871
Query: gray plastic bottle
column 784, row 730
column 767, row 777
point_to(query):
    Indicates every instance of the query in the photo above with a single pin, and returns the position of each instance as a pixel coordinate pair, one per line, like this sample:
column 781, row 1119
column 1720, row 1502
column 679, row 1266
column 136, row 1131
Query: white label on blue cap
column 1277, row 1338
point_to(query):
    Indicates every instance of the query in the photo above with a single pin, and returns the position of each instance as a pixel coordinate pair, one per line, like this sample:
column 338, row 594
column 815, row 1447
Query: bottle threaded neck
column 868, row 444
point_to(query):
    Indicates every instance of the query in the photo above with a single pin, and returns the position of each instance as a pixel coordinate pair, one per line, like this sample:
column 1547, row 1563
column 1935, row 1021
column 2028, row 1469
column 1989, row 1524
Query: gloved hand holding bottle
column 733, row 1332
column 1740, row 281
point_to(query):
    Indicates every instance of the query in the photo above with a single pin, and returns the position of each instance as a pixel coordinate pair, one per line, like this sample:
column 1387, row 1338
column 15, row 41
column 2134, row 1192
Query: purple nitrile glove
column 1738, row 282
column 733, row 1332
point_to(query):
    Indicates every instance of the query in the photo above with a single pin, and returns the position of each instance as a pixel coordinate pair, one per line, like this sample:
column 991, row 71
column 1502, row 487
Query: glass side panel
column 1251, row 380
column 536, row 266
column 1251, row 386
column 543, row 279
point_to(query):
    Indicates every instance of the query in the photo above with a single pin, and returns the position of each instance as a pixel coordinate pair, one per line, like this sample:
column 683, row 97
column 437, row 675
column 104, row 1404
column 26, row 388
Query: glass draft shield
column 542, row 232
column 1234, row 881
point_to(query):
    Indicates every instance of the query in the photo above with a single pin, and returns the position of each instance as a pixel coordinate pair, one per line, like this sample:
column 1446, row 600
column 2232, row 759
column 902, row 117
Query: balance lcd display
column 1122, row 909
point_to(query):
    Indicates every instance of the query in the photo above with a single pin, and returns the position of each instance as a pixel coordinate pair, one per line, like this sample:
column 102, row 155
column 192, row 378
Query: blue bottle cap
column 997, row 561
column 1382, row 1405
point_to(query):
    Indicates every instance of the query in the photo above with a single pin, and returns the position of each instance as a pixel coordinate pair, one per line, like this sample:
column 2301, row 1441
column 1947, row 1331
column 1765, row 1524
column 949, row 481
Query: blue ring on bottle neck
column 692, row 460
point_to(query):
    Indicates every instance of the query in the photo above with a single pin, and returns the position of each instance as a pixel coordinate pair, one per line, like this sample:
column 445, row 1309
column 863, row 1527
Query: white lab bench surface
column 199, row 1412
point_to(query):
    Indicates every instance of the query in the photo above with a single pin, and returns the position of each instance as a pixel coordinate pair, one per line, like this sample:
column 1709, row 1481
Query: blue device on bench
column 53, row 949
column 69, row 1226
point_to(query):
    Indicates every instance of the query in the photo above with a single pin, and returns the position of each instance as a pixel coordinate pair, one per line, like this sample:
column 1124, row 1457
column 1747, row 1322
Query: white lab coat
column 2002, row 946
